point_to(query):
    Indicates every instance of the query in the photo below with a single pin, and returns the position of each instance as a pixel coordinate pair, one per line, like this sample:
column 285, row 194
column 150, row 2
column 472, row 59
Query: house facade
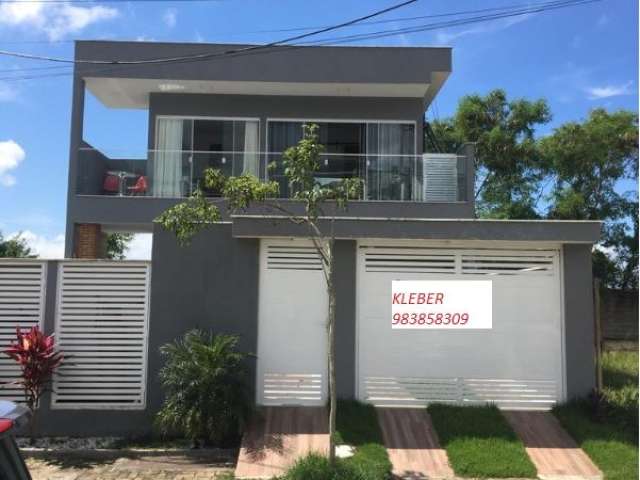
column 254, row 274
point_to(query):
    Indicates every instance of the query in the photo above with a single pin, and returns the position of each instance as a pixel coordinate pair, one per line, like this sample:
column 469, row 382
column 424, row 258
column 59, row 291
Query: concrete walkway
column 551, row 449
column 412, row 444
column 97, row 465
column 281, row 436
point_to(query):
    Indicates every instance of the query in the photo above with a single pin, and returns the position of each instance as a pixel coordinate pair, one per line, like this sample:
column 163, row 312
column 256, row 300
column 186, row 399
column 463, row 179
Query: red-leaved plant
column 38, row 359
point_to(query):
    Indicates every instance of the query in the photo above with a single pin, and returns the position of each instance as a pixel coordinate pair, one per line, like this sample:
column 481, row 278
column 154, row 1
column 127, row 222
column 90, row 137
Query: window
column 185, row 147
column 380, row 153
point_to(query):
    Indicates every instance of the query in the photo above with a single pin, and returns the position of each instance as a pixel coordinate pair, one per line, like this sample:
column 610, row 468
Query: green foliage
column 609, row 435
column 480, row 443
column 214, row 180
column 357, row 425
column 246, row 189
column 117, row 244
column 301, row 162
column 15, row 247
column 189, row 217
column 317, row 467
column 508, row 165
column 586, row 161
column 205, row 381
column 574, row 173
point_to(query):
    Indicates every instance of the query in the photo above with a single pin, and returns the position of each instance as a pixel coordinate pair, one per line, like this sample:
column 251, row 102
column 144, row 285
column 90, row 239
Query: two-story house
column 254, row 274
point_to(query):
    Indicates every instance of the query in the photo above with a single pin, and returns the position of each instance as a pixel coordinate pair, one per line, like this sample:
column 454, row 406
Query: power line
column 297, row 29
column 380, row 34
column 108, row 1
column 452, row 23
column 206, row 56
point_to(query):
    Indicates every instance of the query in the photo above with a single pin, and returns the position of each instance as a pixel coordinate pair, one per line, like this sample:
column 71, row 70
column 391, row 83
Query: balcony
column 432, row 178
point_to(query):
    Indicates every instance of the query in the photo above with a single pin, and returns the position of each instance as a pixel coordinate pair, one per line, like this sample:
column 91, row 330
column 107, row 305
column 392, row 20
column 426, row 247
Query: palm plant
column 206, row 388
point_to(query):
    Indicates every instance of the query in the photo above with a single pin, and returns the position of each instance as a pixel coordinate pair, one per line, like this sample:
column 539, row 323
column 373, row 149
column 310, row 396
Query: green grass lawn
column 480, row 443
column 610, row 437
column 357, row 425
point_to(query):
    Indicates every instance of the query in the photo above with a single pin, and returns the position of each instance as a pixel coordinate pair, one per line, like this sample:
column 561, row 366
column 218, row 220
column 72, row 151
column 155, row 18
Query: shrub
column 38, row 359
column 317, row 467
column 206, row 388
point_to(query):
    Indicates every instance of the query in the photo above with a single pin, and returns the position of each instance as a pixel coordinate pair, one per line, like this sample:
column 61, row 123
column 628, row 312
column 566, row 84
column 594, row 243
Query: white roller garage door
column 516, row 364
column 292, row 311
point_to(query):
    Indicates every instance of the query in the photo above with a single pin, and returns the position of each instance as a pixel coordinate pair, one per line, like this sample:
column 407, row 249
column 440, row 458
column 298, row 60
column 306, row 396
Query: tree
column 586, row 163
column 301, row 163
column 15, row 247
column 508, row 166
column 117, row 244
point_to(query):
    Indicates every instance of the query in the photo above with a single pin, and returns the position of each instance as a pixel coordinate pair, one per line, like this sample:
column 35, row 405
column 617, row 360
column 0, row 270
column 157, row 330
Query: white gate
column 22, row 294
column 101, row 327
column 292, row 353
column 516, row 364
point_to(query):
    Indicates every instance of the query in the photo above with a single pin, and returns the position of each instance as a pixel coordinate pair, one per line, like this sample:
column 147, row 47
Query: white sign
column 441, row 304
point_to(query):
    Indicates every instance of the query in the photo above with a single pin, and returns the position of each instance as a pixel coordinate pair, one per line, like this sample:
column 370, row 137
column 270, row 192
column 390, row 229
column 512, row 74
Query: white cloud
column 140, row 247
column 11, row 155
column 595, row 93
column 602, row 20
column 56, row 20
column 490, row 27
column 7, row 93
column 43, row 246
column 170, row 17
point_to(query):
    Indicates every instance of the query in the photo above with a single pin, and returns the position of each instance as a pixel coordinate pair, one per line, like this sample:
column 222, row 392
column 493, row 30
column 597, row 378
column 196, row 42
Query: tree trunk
column 332, row 370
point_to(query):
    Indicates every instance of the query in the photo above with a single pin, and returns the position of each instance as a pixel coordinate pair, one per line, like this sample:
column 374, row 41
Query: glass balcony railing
column 177, row 173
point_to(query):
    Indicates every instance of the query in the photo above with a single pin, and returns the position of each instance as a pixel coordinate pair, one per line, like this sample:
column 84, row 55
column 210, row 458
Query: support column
column 89, row 241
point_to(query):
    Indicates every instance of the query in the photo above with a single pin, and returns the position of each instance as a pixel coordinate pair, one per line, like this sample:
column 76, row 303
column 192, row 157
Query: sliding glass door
column 380, row 153
column 185, row 147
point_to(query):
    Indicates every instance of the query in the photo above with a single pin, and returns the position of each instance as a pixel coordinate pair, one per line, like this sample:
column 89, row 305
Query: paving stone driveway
column 131, row 467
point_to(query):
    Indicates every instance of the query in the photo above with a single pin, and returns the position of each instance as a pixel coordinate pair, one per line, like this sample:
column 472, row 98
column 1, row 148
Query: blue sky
column 577, row 58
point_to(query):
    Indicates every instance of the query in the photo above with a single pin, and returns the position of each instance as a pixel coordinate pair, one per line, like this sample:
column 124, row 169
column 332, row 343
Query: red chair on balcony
column 140, row 188
column 111, row 184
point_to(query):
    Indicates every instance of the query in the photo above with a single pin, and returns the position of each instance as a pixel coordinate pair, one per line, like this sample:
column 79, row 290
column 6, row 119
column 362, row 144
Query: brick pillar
column 88, row 241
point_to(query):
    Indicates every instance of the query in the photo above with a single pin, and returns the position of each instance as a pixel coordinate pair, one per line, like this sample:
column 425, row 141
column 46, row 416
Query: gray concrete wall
column 211, row 284
column 331, row 64
column 350, row 226
column 578, row 320
column 345, row 255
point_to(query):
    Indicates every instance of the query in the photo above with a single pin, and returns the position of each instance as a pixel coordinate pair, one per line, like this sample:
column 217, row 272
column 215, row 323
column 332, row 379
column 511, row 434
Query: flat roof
column 407, row 72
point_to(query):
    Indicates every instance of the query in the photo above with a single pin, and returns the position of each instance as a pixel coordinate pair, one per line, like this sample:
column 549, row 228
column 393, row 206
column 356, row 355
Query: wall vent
column 418, row 392
column 495, row 263
column 292, row 388
column 293, row 257
column 22, row 292
column 101, row 327
column 410, row 261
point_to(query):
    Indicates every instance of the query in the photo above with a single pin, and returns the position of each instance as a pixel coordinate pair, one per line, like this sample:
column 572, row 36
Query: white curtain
column 167, row 164
column 251, row 161
column 389, row 145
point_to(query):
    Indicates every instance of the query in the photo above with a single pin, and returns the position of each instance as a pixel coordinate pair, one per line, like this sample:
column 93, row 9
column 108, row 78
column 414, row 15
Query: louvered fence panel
column 22, row 293
column 101, row 326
